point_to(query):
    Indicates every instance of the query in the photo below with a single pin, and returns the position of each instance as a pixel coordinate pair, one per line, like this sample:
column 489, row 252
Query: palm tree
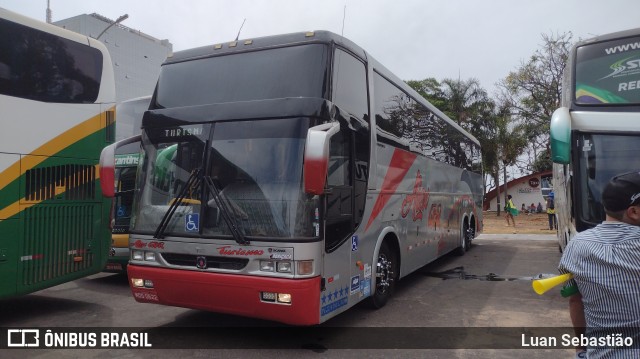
column 510, row 139
column 468, row 104
column 465, row 100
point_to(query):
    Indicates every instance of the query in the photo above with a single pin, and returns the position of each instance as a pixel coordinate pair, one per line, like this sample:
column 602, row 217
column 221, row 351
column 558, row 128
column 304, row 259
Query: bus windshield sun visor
column 221, row 202
column 193, row 177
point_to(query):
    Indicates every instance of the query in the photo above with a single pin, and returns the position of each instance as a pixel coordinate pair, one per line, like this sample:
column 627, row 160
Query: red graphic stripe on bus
column 400, row 163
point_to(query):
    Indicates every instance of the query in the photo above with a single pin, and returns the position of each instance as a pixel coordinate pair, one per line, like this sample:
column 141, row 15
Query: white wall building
column 532, row 188
column 136, row 56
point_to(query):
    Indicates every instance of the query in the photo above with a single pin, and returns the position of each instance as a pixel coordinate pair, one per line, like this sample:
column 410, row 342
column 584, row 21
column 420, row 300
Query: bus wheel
column 386, row 276
column 465, row 242
column 470, row 234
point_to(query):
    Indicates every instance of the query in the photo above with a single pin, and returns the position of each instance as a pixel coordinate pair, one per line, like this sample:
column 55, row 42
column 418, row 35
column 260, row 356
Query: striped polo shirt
column 605, row 263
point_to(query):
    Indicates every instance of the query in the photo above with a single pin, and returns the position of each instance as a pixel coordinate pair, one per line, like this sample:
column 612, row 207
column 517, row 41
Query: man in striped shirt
column 605, row 263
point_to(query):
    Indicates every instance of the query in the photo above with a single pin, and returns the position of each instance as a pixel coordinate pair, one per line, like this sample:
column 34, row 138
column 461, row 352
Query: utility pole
column 48, row 13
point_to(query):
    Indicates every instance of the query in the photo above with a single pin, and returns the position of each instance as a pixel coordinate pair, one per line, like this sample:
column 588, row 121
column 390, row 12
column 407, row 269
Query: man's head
column 621, row 197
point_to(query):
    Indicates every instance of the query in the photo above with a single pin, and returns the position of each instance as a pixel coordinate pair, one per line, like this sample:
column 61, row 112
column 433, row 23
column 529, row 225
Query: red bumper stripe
column 229, row 293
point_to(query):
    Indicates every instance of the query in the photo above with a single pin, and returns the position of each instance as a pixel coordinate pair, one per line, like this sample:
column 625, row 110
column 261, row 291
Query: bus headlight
column 137, row 255
column 284, row 298
column 284, row 267
column 141, row 283
column 267, row 266
column 271, row 297
column 301, row 267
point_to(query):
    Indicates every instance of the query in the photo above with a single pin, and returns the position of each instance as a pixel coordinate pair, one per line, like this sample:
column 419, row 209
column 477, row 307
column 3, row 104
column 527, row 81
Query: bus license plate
column 114, row 266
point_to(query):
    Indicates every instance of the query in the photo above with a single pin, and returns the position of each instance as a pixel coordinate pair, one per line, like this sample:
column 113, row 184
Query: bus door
column 343, row 277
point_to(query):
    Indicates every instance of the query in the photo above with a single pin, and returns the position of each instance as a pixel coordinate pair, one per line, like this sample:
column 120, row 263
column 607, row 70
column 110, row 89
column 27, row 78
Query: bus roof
column 266, row 42
column 49, row 28
column 308, row 38
column 610, row 36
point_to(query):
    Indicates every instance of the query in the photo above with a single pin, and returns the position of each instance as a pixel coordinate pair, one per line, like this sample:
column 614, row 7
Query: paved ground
column 452, row 293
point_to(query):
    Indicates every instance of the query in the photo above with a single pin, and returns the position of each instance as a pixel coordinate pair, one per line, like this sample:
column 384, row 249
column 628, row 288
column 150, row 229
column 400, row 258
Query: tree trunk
column 496, row 175
column 506, row 190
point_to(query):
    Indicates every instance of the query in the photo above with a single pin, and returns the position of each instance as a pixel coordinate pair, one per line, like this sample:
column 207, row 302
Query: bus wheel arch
column 386, row 271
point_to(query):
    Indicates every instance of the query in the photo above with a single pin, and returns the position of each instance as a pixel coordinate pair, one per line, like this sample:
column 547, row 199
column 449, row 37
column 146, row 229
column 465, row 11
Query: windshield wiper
column 159, row 234
column 231, row 222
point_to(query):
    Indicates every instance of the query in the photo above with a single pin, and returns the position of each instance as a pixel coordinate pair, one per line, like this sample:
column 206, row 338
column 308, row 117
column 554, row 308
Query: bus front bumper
column 229, row 293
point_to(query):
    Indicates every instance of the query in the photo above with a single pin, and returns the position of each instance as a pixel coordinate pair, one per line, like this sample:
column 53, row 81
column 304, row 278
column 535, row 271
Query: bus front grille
column 190, row 260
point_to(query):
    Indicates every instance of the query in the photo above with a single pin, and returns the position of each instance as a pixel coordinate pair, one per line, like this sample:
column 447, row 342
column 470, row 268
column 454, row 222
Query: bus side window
column 350, row 84
column 351, row 95
column 339, row 199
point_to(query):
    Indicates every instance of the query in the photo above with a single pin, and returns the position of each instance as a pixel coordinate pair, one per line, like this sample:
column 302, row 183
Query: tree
column 430, row 89
column 466, row 101
column 543, row 161
column 501, row 147
column 534, row 91
column 468, row 104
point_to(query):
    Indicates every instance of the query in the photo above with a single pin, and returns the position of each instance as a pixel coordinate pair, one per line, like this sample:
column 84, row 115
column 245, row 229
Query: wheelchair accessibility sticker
column 192, row 222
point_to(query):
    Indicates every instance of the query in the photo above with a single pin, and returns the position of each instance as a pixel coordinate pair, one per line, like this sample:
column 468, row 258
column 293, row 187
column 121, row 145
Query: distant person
column 532, row 208
column 551, row 212
column 510, row 211
column 539, row 208
column 606, row 271
column 523, row 209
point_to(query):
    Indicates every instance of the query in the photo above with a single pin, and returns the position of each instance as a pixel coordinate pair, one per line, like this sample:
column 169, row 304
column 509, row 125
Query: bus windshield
column 608, row 72
column 296, row 71
column 122, row 208
column 602, row 157
column 256, row 166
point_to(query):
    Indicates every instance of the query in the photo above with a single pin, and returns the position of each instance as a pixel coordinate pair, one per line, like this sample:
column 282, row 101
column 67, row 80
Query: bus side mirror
column 560, row 133
column 316, row 157
column 108, row 165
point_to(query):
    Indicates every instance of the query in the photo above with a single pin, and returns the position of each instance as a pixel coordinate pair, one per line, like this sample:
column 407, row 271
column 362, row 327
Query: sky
column 415, row 39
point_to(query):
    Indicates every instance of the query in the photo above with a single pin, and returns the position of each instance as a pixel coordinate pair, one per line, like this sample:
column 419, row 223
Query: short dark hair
column 622, row 192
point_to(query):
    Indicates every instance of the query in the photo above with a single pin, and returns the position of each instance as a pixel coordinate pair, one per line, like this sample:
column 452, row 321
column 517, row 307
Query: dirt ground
column 537, row 223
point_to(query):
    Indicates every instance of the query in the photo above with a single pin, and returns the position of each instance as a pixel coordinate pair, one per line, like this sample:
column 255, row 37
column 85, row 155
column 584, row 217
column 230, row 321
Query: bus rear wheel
column 470, row 234
column 465, row 239
column 386, row 276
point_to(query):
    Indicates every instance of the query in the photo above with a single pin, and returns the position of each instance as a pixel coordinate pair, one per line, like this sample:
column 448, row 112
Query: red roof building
column 530, row 189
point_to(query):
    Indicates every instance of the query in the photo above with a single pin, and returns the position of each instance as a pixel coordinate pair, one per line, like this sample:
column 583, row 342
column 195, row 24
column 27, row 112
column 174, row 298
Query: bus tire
column 471, row 234
column 465, row 242
column 387, row 272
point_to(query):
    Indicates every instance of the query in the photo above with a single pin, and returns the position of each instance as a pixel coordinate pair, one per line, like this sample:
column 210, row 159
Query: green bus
column 57, row 104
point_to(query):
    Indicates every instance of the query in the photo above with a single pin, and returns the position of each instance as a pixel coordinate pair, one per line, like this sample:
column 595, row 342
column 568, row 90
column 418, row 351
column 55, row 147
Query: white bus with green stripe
column 57, row 104
column 595, row 135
